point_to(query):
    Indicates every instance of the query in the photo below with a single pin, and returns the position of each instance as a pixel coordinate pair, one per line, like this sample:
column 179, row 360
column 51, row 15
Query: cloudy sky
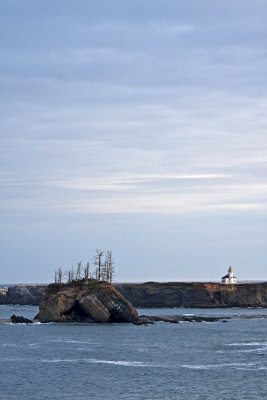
column 136, row 126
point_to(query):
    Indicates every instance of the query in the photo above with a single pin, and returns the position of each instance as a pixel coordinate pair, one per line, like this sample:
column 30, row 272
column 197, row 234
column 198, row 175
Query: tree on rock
column 104, row 270
column 86, row 272
column 98, row 263
column 78, row 271
column 110, row 270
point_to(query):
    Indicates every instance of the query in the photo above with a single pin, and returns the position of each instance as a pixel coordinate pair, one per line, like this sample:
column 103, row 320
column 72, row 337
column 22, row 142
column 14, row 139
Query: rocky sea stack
column 85, row 302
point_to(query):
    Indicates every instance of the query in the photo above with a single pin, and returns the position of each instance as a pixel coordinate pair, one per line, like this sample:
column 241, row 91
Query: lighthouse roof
column 227, row 276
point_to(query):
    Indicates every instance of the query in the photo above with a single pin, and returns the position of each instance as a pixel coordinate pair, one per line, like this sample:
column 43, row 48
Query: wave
column 264, row 343
column 211, row 366
column 60, row 361
column 78, row 342
column 70, row 341
column 258, row 350
column 95, row 361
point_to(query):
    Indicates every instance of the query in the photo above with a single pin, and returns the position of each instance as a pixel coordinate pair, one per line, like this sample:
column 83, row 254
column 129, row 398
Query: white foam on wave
column 71, row 341
column 264, row 343
column 95, row 361
column 124, row 363
column 58, row 360
column 258, row 350
column 78, row 342
column 212, row 366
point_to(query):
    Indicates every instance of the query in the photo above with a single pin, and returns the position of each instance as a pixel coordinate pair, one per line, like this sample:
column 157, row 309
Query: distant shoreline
column 240, row 282
column 162, row 294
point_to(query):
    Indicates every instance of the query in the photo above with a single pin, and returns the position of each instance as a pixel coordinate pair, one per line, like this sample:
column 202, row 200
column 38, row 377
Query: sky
column 138, row 127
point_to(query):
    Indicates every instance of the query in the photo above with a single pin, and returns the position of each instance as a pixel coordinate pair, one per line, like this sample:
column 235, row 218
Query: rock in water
column 85, row 302
column 20, row 320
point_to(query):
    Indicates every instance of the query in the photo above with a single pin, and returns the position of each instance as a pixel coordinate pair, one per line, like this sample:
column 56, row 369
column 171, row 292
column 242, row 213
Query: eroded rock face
column 93, row 307
column 22, row 294
column 92, row 302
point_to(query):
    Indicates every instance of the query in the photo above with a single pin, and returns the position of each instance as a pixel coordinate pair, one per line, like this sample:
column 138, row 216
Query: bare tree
column 98, row 262
column 78, row 271
column 104, row 270
column 96, row 273
column 56, row 277
column 60, row 275
column 71, row 274
column 110, row 266
column 86, row 272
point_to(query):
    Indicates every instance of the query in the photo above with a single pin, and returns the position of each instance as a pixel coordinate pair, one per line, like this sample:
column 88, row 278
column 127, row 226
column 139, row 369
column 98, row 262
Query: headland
column 194, row 294
column 157, row 295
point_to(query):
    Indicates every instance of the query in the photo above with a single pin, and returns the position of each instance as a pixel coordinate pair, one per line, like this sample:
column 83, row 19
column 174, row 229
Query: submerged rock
column 91, row 302
column 176, row 319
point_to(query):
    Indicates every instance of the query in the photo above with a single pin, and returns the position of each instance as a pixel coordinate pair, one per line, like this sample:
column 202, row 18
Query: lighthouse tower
column 229, row 278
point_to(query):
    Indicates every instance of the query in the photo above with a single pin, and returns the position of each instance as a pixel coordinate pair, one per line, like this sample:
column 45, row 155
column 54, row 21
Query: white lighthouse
column 229, row 278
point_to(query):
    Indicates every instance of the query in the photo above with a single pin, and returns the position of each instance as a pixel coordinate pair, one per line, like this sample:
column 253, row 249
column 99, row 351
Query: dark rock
column 175, row 319
column 144, row 321
column 92, row 302
column 15, row 319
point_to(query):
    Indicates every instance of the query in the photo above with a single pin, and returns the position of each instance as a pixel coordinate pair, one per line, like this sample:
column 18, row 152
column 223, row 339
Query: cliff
column 22, row 294
column 91, row 302
column 153, row 294
column 194, row 294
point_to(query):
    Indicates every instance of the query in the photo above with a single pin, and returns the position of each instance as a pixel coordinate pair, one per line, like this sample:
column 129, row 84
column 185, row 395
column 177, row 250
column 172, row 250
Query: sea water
column 189, row 360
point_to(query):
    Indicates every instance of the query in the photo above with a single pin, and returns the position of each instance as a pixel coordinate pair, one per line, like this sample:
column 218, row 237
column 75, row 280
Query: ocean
column 168, row 361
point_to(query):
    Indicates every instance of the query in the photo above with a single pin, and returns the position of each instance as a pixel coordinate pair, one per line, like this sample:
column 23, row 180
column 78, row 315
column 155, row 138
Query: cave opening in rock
column 77, row 313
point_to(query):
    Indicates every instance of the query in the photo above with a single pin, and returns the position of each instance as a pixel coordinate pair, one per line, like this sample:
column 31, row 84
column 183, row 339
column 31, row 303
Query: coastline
column 158, row 295
column 152, row 319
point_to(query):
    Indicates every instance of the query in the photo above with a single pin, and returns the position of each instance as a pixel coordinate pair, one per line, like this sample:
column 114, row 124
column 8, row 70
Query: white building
column 229, row 278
